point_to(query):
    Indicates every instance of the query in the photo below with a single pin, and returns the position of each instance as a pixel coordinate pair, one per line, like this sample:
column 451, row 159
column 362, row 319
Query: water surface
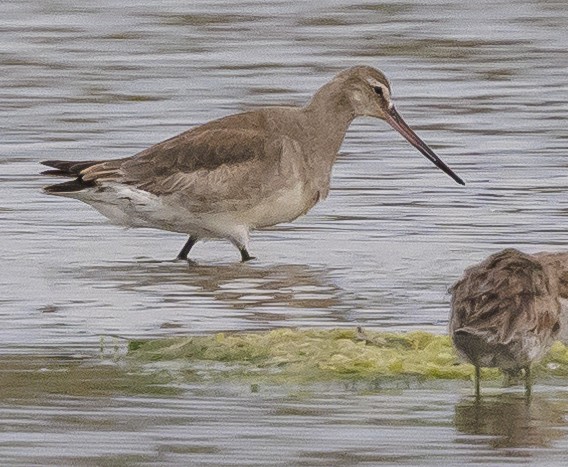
column 484, row 84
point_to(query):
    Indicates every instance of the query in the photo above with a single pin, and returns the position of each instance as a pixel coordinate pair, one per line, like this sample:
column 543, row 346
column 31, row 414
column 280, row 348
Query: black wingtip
column 55, row 173
column 68, row 187
column 60, row 165
column 68, row 167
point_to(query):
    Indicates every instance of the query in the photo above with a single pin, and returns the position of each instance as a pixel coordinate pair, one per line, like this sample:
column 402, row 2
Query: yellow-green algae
column 325, row 355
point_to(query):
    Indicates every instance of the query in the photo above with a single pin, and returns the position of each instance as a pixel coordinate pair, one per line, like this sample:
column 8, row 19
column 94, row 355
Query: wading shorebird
column 239, row 173
column 507, row 312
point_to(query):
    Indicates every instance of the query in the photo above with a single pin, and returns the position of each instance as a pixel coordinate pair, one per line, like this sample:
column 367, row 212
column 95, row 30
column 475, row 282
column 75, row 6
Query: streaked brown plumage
column 239, row 173
column 506, row 311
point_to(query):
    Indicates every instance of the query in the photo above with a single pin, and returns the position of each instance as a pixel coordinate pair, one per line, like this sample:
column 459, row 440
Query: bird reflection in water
column 268, row 292
column 512, row 420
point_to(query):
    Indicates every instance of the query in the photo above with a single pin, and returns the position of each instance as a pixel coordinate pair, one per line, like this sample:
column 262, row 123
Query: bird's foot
column 185, row 259
column 183, row 255
column 245, row 255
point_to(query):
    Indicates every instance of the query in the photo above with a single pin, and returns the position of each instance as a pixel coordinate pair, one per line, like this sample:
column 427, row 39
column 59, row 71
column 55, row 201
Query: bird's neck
column 329, row 114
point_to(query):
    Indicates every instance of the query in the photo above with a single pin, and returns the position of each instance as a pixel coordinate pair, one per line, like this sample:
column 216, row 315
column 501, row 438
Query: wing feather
column 216, row 166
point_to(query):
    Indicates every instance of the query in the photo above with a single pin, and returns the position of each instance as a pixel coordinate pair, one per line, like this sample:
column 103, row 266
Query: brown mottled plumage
column 506, row 311
column 241, row 172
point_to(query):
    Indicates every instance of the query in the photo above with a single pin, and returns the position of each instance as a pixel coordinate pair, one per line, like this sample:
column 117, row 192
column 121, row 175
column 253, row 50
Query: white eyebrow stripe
column 386, row 91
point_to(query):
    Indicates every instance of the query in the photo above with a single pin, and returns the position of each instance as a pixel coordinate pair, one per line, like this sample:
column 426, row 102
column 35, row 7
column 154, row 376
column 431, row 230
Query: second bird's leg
column 186, row 248
column 477, row 381
column 528, row 381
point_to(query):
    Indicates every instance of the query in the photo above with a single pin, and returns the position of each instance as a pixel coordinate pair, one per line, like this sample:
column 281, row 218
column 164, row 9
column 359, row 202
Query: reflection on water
column 74, row 411
column 235, row 286
column 512, row 420
column 219, row 297
column 482, row 82
column 34, row 379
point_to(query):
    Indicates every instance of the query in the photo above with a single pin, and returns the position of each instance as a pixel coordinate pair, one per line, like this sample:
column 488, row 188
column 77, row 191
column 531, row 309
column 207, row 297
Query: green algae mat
column 306, row 356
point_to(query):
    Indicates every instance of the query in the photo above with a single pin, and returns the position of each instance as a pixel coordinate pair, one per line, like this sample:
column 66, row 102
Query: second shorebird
column 507, row 311
column 239, row 173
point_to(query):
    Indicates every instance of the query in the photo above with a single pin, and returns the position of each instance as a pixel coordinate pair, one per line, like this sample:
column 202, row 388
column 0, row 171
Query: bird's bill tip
column 395, row 120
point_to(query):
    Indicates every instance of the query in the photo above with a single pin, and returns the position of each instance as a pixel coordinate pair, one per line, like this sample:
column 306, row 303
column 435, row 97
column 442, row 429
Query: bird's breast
column 283, row 205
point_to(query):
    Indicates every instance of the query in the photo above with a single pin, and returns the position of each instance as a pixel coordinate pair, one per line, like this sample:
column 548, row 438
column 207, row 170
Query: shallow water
column 484, row 84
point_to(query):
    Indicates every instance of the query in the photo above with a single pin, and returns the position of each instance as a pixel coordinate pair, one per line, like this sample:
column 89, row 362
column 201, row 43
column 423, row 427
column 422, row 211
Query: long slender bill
column 395, row 120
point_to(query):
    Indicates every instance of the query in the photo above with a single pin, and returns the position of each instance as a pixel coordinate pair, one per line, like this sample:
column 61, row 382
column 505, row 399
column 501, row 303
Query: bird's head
column 368, row 93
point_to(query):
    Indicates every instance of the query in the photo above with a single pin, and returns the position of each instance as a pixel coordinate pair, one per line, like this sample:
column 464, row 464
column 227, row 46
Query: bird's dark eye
column 378, row 90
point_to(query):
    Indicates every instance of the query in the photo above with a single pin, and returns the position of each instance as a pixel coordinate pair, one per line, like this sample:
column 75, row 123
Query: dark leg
column 528, row 381
column 477, row 381
column 240, row 240
column 186, row 248
column 245, row 256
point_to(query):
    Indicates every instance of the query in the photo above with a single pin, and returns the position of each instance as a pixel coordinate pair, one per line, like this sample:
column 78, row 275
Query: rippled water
column 483, row 83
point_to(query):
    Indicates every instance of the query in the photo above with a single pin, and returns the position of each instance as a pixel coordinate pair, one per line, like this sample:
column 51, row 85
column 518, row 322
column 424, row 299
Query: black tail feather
column 57, row 173
column 68, row 187
column 67, row 168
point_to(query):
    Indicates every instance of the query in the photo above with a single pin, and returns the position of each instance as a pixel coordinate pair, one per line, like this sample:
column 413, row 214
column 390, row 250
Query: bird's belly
column 130, row 207
column 488, row 350
column 283, row 205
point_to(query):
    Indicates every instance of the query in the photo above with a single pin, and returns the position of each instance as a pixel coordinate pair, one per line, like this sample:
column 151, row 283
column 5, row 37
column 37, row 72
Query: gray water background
column 484, row 83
